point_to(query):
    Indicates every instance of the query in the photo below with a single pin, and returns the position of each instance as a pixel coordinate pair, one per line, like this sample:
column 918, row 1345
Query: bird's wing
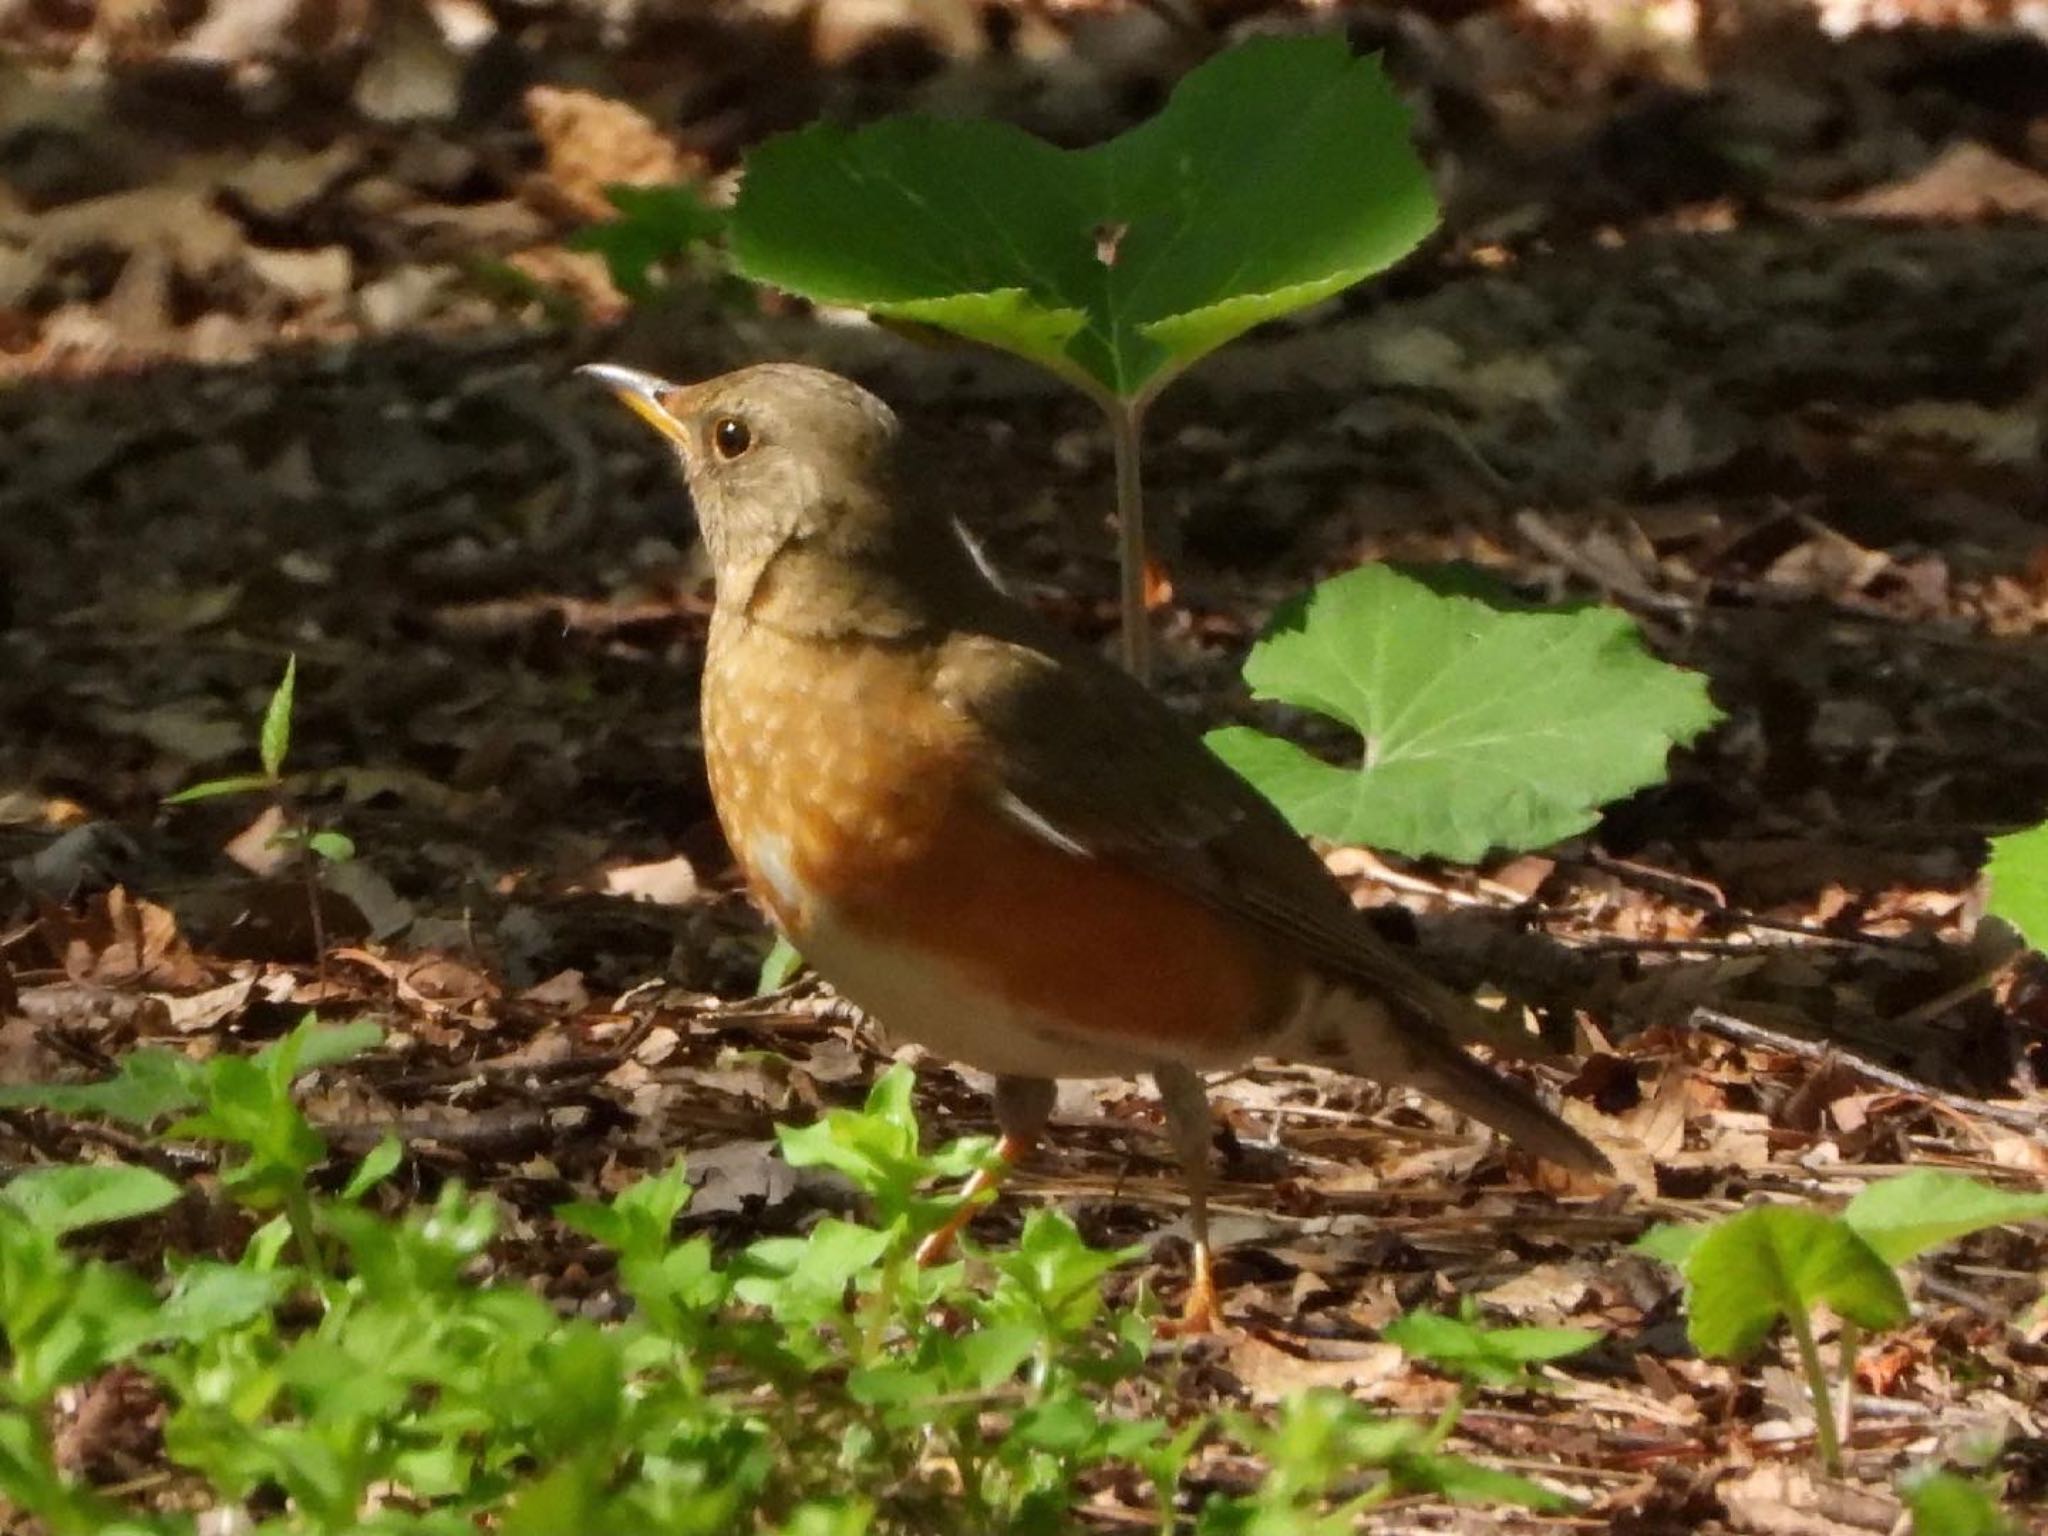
column 1096, row 763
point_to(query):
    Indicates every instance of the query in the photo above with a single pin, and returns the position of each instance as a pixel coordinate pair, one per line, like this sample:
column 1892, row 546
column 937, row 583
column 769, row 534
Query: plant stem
column 1126, row 428
column 298, row 1214
column 1829, row 1442
column 1848, row 1341
column 1446, row 1421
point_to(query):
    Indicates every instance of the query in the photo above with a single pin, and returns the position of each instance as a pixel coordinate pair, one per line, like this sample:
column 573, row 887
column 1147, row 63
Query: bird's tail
column 1414, row 1043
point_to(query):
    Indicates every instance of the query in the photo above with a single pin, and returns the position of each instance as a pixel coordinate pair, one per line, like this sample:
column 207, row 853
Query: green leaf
column 215, row 1298
column 334, row 847
column 1902, row 1218
column 1467, row 1482
column 313, row 1045
column 1482, row 728
column 61, row 1200
column 2018, row 873
column 1280, row 172
column 782, row 963
column 1672, row 1243
column 152, row 1083
column 655, row 225
column 1760, row 1266
column 213, row 789
column 1944, row 1504
column 378, row 1164
column 1489, row 1356
column 275, row 742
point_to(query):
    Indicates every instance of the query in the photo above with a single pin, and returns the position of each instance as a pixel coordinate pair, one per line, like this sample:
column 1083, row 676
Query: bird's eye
column 731, row 437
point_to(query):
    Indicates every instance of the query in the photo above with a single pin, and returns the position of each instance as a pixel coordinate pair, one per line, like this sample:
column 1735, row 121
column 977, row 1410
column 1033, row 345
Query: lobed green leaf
column 1482, row 728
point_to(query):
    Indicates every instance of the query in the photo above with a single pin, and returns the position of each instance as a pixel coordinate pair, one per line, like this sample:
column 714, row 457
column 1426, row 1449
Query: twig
column 1742, row 1032
column 1691, row 891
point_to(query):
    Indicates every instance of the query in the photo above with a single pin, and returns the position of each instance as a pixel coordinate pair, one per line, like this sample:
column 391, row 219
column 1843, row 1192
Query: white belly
column 926, row 1001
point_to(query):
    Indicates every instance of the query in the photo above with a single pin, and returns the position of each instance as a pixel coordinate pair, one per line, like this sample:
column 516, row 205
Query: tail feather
column 1415, row 1043
column 1443, row 1071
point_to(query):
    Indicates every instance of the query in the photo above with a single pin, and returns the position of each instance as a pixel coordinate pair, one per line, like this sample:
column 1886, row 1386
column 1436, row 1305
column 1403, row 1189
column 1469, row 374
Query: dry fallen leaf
column 1270, row 1374
column 1963, row 184
column 592, row 142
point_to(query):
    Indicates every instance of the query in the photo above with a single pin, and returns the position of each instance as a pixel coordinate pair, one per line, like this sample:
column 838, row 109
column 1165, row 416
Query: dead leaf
column 671, row 882
column 1965, row 183
column 1546, row 1295
column 387, row 913
column 196, row 1011
column 1781, row 1500
column 122, row 938
column 1270, row 1374
column 592, row 142
column 256, row 847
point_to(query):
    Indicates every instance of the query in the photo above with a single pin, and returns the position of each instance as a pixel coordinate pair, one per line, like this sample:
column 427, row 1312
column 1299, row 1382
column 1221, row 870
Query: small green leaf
column 1278, row 173
column 1482, row 728
column 654, row 227
column 782, row 963
column 213, row 789
column 64, row 1199
column 334, row 847
column 212, row 1298
column 1902, row 1218
column 377, row 1166
column 1489, row 1356
column 1467, row 1482
column 1944, row 1504
column 1672, row 1243
column 275, row 742
column 2018, row 873
column 152, row 1083
column 313, row 1045
column 1760, row 1266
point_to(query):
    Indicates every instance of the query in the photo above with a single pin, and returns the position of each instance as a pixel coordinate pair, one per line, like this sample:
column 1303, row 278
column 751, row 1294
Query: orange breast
column 851, row 796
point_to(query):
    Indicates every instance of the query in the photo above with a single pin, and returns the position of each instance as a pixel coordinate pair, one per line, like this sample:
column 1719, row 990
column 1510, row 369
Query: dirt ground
column 1736, row 320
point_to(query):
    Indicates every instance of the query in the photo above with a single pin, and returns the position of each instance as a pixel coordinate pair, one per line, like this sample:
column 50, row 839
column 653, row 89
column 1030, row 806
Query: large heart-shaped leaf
column 1484, row 728
column 1904, row 1217
column 2019, row 882
column 1279, row 173
column 1757, row 1268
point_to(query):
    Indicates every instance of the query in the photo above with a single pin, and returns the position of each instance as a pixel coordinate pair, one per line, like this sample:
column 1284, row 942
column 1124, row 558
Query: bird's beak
column 642, row 394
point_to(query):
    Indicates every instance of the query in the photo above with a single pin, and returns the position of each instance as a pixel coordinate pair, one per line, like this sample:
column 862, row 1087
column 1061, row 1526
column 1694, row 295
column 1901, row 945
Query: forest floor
column 1747, row 333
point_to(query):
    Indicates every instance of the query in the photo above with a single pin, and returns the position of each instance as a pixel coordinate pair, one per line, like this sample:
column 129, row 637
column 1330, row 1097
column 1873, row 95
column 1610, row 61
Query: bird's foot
column 1202, row 1312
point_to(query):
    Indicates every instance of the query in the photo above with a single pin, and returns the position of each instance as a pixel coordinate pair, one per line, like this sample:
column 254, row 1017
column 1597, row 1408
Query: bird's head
column 775, row 455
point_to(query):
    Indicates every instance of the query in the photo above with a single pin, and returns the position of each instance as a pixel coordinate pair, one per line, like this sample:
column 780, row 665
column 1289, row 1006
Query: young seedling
column 306, row 844
column 1748, row 1272
column 1322, row 1446
column 790, row 1387
column 244, row 1103
column 1278, row 174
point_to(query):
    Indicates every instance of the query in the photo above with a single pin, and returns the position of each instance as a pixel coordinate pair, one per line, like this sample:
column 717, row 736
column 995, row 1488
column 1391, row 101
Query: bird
column 992, row 839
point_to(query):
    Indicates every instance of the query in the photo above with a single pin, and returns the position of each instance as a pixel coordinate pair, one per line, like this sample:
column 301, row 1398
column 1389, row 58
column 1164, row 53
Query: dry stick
column 1742, row 1032
column 1690, row 891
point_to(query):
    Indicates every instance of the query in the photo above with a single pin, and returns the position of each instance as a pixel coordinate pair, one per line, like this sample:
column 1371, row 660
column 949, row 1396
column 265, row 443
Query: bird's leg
column 1023, row 1105
column 1187, row 1122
